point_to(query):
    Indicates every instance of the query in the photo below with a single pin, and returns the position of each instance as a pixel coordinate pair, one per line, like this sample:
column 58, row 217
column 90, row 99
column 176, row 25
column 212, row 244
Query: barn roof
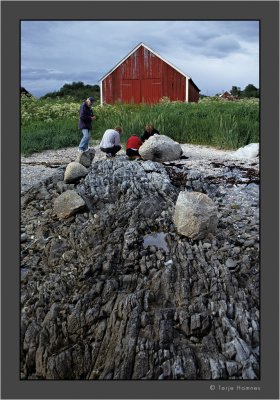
column 152, row 51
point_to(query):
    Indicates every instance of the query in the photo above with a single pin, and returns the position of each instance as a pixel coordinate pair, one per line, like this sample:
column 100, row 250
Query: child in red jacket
column 132, row 146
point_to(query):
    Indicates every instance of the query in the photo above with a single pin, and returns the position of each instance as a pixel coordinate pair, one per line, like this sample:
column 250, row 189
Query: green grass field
column 53, row 123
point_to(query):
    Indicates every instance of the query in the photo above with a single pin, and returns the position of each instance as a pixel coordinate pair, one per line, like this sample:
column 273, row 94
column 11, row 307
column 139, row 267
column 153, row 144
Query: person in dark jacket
column 132, row 146
column 85, row 123
column 149, row 131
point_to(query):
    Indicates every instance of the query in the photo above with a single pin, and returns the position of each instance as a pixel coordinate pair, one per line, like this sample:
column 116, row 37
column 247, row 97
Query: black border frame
column 267, row 12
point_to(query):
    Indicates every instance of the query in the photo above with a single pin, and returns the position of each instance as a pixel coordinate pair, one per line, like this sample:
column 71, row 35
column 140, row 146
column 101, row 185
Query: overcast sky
column 215, row 54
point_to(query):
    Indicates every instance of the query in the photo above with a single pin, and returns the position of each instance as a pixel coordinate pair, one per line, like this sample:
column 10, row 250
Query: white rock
column 249, row 151
column 195, row 215
column 74, row 171
column 160, row 148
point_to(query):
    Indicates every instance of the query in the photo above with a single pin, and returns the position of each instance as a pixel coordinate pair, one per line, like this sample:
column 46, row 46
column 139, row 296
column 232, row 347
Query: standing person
column 132, row 146
column 111, row 143
column 149, row 131
column 85, row 123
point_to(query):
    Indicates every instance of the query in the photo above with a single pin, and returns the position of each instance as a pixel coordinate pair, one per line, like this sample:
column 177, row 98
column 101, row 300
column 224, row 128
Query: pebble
column 248, row 243
column 230, row 263
column 23, row 237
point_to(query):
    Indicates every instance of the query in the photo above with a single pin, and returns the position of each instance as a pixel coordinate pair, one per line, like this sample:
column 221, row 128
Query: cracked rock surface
column 114, row 292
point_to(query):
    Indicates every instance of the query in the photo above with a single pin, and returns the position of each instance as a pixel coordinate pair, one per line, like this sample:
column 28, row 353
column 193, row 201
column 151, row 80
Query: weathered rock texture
column 195, row 215
column 96, row 303
column 67, row 204
column 160, row 148
column 86, row 157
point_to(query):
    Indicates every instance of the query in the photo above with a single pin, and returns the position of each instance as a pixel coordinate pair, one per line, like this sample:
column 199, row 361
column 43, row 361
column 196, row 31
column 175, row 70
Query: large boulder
column 67, row 204
column 74, row 171
column 249, row 151
column 160, row 148
column 195, row 215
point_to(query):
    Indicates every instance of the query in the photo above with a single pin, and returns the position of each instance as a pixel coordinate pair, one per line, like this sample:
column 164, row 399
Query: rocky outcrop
column 160, row 148
column 115, row 292
column 195, row 215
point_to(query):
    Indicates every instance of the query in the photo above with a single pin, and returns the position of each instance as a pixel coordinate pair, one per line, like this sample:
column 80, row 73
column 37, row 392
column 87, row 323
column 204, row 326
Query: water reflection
column 156, row 239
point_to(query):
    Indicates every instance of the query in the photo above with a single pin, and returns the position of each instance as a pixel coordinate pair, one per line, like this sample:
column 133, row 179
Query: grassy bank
column 52, row 123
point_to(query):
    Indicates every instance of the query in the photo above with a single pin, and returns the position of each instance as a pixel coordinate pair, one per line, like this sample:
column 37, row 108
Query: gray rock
column 23, row 237
column 85, row 158
column 248, row 243
column 242, row 350
column 195, row 322
column 61, row 186
column 74, row 171
column 217, row 369
column 233, row 368
column 160, row 148
column 67, row 204
column 230, row 263
column 237, row 250
column 195, row 215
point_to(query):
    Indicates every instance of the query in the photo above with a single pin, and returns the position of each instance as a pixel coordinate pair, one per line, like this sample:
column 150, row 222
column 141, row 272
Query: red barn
column 143, row 76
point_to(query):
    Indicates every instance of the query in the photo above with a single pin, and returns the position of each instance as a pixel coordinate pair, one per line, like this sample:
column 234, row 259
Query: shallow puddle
column 156, row 239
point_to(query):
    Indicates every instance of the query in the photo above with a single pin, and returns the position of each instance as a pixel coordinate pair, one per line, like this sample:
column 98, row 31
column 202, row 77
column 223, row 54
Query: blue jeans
column 85, row 140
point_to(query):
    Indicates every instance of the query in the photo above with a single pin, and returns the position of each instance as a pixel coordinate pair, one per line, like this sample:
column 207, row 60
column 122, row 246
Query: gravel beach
column 40, row 166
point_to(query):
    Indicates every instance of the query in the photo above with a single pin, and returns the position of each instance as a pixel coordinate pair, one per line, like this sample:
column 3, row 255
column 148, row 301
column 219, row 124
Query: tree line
column 78, row 91
column 249, row 91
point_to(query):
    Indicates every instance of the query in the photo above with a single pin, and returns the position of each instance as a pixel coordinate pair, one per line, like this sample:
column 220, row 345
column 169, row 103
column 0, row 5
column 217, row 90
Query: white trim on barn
column 101, row 95
column 152, row 51
column 188, row 78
